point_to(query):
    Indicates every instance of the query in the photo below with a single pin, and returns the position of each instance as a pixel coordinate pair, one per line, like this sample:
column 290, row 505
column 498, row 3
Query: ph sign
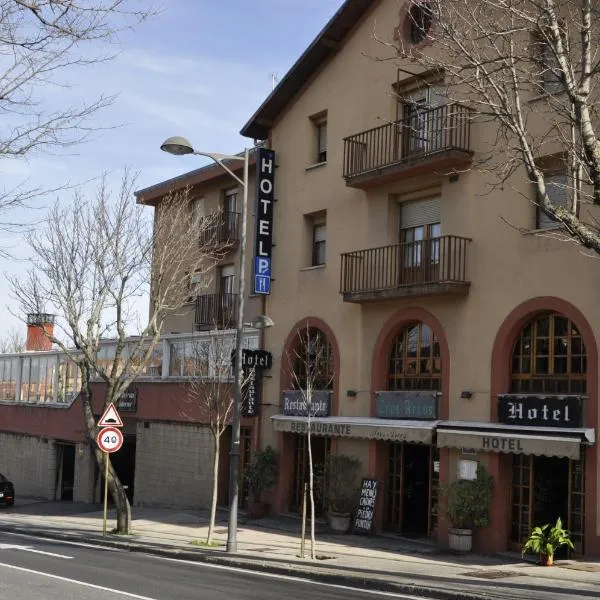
column 265, row 184
column 262, row 275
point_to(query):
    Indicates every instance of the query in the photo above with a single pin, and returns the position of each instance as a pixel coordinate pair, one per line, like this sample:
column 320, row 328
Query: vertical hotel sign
column 265, row 178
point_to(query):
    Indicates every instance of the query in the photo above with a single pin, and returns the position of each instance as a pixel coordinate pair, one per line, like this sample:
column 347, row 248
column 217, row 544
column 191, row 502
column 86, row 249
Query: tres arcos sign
column 265, row 184
column 540, row 410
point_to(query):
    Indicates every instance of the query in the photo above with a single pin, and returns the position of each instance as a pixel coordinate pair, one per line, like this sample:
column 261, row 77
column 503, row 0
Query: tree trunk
column 213, row 505
column 312, row 495
column 115, row 487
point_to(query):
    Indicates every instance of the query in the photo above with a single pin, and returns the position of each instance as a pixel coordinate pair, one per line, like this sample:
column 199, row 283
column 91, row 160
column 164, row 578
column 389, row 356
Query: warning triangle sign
column 110, row 418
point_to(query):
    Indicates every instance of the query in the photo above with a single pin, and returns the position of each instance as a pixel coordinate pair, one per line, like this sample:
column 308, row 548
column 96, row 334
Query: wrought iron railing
column 216, row 310
column 424, row 132
column 436, row 260
column 224, row 228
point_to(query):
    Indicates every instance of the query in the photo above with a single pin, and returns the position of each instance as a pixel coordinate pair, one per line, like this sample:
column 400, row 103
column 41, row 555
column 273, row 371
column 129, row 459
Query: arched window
column 415, row 360
column 312, row 359
column 549, row 357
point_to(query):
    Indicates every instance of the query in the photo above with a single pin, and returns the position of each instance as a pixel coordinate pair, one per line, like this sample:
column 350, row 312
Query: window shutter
column 320, row 233
column 421, row 212
column 227, row 271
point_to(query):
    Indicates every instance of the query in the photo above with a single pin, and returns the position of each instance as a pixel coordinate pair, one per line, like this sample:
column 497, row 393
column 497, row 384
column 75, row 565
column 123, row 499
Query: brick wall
column 30, row 463
column 173, row 465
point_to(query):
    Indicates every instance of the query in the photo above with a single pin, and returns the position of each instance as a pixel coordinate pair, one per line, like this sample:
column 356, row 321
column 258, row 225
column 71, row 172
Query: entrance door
column 320, row 451
column 409, row 491
column 66, row 471
column 123, row 463
column 543, row 489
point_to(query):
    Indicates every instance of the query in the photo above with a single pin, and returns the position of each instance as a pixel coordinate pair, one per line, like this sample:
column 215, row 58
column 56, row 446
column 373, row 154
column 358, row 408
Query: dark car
column 7, row 491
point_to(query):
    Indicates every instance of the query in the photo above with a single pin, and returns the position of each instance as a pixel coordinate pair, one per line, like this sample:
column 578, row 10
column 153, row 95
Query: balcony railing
column 224, row 228
column 438, row 135
column 216, row 311
column 428, row 267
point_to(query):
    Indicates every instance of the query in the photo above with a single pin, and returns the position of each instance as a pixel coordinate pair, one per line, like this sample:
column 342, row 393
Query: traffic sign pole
column 105, row 493
column 109, row 440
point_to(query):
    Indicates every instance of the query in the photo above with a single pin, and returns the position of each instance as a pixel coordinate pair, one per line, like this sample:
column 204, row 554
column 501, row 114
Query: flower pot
column 547, row 560
column 339, row 522
column 256, row 510
column 460, row 540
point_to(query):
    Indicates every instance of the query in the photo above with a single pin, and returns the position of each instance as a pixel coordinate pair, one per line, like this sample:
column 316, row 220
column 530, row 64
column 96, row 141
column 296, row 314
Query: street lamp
column 179, row 146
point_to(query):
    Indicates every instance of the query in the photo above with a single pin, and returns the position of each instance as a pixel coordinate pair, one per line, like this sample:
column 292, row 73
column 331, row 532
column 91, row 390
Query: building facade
column 457, row 335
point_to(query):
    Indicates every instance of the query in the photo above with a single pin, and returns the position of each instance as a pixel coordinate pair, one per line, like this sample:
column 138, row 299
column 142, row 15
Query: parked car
column 7, row 491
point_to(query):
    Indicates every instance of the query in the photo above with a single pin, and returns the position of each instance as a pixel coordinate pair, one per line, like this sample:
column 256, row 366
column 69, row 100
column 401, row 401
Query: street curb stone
column 247, row 562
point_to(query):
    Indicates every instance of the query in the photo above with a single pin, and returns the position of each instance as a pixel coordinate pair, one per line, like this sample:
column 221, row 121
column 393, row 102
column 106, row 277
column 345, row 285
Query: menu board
column 365, row 512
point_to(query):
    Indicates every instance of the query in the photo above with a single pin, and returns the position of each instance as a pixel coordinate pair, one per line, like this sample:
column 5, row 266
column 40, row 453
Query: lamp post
column 180, row 146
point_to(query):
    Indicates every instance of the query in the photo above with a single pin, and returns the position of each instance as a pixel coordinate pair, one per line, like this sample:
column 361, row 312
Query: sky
column 200, row 69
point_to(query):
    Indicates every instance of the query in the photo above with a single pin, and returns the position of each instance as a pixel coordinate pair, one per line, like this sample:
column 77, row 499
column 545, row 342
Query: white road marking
column 28, row 549
column 77, row 582
column 53, row 541
column 291, row 578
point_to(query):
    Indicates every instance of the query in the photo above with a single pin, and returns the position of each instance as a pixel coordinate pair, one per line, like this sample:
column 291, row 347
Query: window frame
column 319, row 246
column 543, row 221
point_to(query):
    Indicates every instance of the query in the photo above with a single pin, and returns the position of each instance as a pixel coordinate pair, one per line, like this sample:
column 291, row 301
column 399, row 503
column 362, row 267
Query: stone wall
column 173, row 465
column 30, row 463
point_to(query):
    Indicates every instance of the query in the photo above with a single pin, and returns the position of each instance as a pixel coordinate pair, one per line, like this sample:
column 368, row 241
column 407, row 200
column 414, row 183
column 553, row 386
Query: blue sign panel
column 262, row 275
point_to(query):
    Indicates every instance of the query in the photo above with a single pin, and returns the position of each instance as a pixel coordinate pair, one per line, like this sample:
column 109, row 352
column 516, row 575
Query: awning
column 420, row 432
column 513, row 439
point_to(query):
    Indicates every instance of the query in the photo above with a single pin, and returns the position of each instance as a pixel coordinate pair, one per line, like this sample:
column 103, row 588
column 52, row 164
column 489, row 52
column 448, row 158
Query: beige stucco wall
column 212, row 191
column 507, row 267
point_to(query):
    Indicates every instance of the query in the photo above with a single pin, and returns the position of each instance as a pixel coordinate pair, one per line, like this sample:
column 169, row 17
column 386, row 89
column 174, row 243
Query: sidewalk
column 388, row 563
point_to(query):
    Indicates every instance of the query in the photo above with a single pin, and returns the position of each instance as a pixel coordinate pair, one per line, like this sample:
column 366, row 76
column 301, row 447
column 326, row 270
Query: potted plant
column 341, row 489
column 467, row 508
column 545, row 540
column 260, row 475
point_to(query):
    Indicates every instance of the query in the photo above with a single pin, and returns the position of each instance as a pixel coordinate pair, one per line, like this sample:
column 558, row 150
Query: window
column 420, row 19
column 549, row 357
column 319, row 244
column 198, row 210
column 195, row 285
column 548, row 73
column 556, row 186
column 420, row 232
column 320, row 131
column 415, row 360
column 230, row 212
column 227, row 279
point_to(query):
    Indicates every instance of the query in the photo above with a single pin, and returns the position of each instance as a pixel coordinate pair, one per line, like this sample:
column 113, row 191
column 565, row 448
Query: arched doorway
column 311, row 361
column 414, row 365
column 548, row 358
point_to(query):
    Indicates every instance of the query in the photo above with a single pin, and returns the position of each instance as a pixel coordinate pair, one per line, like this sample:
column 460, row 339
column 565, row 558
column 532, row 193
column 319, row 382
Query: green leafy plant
column 468, row 501
column 341, row 483
column 261, row 473
column 545, row 540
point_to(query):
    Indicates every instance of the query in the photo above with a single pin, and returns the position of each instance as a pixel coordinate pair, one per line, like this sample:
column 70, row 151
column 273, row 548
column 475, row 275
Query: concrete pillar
column 83, row 490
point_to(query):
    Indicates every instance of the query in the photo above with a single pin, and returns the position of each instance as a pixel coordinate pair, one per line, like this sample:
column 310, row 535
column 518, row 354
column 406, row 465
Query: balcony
column 216, row 311
column 429, row 140
column 433, row 267
column 224, row 230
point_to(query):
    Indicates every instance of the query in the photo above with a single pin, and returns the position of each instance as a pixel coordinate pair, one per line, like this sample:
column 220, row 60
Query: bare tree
column 311, row 369
column 12, row 342
column 42, row 42
column 210, row 390
column 91, row 263
column 529, row 68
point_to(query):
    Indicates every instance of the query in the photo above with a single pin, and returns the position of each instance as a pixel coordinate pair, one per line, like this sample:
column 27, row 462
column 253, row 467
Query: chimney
column 37, row 323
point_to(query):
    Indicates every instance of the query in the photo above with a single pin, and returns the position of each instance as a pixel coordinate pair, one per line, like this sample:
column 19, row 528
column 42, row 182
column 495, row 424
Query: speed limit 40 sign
column 110, row 439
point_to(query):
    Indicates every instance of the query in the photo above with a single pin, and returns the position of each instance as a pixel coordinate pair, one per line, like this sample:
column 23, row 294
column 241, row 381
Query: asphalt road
column 38, row 569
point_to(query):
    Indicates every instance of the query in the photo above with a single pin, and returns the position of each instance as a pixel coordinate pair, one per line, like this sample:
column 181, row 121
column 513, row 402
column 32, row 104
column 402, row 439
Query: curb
column 251, row 563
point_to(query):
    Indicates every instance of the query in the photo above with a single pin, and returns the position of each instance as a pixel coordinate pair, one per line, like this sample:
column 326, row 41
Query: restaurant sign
column 127, row 401
column 406, row 405
column 295, row 403
column 540, row 410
